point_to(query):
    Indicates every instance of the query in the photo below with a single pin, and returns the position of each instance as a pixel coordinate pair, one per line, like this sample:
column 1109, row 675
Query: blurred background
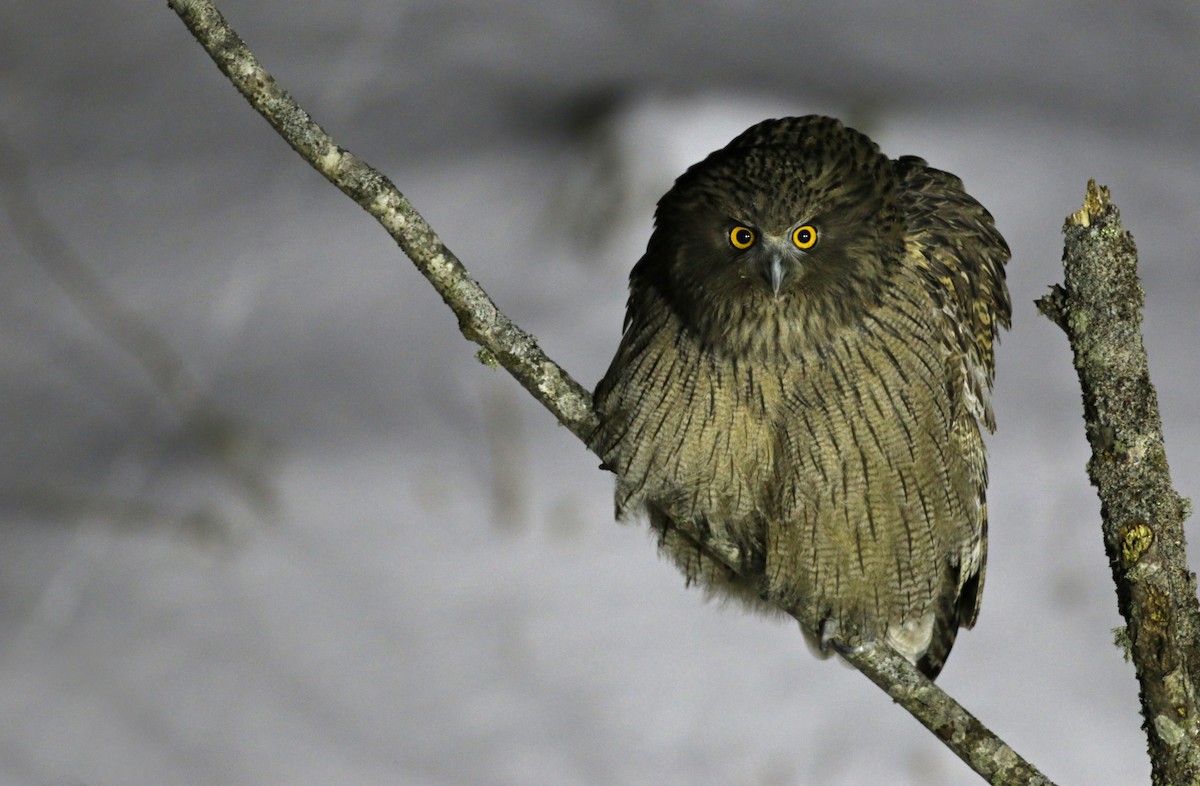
column 267, row 520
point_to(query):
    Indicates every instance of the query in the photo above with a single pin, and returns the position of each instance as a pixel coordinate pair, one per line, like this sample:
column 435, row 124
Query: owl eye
column 741, row 237
column 805, row 237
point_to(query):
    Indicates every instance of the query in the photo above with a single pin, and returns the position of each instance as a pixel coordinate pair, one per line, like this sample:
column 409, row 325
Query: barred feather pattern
column 825, row 438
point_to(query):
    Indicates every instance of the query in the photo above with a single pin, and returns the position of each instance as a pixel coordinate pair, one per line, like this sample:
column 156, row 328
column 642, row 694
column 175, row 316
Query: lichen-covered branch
column 478, row 317
column 949, row 721
column 1099, row 307
column 517, row 351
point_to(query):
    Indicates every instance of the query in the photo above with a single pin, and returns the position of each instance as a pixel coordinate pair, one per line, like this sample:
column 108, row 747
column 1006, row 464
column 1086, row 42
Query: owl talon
column 844, row 649
column 831, row 639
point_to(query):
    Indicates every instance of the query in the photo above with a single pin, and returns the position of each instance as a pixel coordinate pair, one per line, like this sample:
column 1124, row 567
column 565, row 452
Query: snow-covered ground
column 436, row 593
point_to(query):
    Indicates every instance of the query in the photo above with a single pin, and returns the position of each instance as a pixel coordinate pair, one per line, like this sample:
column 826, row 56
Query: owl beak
column 775, row 272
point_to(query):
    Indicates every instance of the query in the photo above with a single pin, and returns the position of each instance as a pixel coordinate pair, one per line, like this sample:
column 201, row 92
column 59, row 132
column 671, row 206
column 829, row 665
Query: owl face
column 805, row 213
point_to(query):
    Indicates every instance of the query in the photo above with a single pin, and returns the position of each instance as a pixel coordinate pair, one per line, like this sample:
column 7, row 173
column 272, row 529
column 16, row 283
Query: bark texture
column 1099, row 306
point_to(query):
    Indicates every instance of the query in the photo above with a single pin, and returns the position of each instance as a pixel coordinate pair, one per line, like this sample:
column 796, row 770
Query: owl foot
column 831, row 639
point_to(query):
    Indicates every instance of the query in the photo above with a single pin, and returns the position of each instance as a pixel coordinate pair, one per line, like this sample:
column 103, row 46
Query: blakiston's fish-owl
column 805, row 371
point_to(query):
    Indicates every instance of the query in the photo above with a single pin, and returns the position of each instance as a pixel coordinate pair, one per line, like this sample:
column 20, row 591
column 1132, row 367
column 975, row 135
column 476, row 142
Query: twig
column 517, row 351
column 1099, row 307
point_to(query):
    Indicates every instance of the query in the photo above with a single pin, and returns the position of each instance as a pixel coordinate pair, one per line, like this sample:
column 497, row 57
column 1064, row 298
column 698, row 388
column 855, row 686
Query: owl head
column 793, row 223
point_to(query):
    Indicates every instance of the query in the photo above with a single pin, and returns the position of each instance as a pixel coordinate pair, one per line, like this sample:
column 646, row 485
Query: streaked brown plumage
column 804, row 374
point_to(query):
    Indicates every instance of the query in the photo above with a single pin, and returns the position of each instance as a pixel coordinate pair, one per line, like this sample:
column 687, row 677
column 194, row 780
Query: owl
column 798, row 398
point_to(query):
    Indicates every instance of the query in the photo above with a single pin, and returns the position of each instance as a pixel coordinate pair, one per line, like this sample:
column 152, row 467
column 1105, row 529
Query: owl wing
column 960, row 257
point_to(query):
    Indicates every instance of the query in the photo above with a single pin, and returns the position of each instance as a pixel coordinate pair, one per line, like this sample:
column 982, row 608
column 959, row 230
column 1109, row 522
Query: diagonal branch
column 517, row 351
column 949, row 721
column 478, row 317
column 1099, row 307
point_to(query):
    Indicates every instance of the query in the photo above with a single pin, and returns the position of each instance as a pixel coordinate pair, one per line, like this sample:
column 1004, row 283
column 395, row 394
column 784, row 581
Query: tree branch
column 1099, row 307
column 517, row 351
column 950, row 722
column 478, row 317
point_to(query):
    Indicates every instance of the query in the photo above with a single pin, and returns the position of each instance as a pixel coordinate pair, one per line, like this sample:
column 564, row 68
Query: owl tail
column 955, row 611
column 934, row 659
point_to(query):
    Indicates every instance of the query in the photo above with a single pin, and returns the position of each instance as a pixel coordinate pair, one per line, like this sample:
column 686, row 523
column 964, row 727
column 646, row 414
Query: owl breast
column 832, row 479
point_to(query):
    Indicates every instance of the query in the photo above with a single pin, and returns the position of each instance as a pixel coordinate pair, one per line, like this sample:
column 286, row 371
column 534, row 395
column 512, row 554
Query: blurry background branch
column 517, row 351
column 199, row 427
column 1099, row 307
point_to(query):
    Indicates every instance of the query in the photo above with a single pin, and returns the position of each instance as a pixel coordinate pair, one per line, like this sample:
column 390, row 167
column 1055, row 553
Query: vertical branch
column 1099, row 307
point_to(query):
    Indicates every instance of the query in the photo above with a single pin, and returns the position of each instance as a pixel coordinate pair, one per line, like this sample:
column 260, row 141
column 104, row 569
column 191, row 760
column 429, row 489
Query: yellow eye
column 741, row 237
column 805, row 237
